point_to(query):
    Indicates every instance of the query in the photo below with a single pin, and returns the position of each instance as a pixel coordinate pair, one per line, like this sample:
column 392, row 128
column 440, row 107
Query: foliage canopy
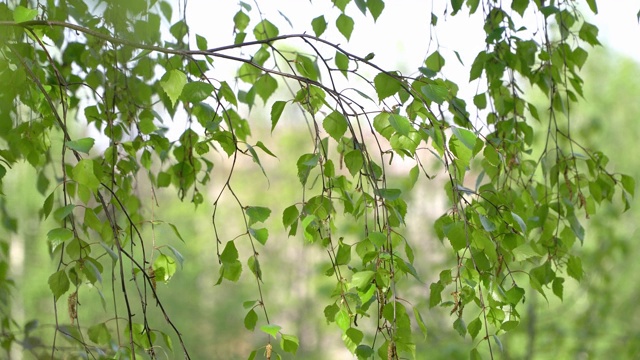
column 518, row 183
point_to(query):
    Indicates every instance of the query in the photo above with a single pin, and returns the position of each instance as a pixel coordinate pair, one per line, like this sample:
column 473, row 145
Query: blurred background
column 598, row 318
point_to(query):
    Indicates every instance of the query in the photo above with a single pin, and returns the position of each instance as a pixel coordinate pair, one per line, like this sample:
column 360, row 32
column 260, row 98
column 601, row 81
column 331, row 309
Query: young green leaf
column 83, row 173
column 83, row 145
column 271, row 329
column 335, row 124
column 375, row 7
column 319, row 25
column 345, row 24
column 289, row 343
column 257, row 214
column 265, row 86
column 276, row 111
column 354, row 161
column 342, row 62
column 172, row 82
column 241, row 20
column 435, row 61
column 387, row 84
column 21, row 14
column 59, row 283
column 229, row 254
column 265, row 30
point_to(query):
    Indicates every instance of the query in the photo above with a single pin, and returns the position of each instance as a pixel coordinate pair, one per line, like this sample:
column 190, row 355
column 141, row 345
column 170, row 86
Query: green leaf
column 628, row 184
column 362, row 279
column 21, row 14
column 457, row 236
column 375, row 7
column 179, row 30
column 227, row 93
column 480, row 101
column 271, row 329
column 420, row 322
column 514, row 295
column 257, row 214
column 487, row 224
column 401, row 124
column 58, row 236
column 172, row 82
column 377, row 238
column 589, row 33
column 319, row 25
column 342, row 62
column 343, row 320
column 593, row 6
column 59, row 283
column 99, row 334
column 289, row 343
column 475, row 354
column 354, row 161
column 241, row 20
column 196, row 91
column 265, row 30
column 305, row 163
column 276, row 111
column 61, row 213
column 265, row 86
column 436, row 93
column 467, row 137
column 92, row 270
column 474, row 327
column 146, row 125
column 520, row 6
column 524, row 252
column 229, row 254
column 254, row 265
column 343, row 256
column 574, row 267
column 262, row 235
column 345, row 24
column 386, row 85
column 460, row 327
column 230, row 271
column 389, row 194
column 335, row 124
column 201, row 42
column 83, row 174
column 249, row 73
column 307, row 67
column 290, row 215
column 48, row 205
column 435, row 61
column 520, row 222
column 83, row 145
column 178, row 256
column 435, row 295
column 165, row 267
column 558, row 287
column 175, row 231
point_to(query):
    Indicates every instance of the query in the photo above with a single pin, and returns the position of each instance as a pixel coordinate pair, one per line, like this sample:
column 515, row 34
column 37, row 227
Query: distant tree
column 514, row 209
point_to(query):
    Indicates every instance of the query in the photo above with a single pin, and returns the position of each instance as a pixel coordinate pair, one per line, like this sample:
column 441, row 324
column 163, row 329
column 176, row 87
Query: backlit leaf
column 172, row 82
column 271, row 329
column 82, row 145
